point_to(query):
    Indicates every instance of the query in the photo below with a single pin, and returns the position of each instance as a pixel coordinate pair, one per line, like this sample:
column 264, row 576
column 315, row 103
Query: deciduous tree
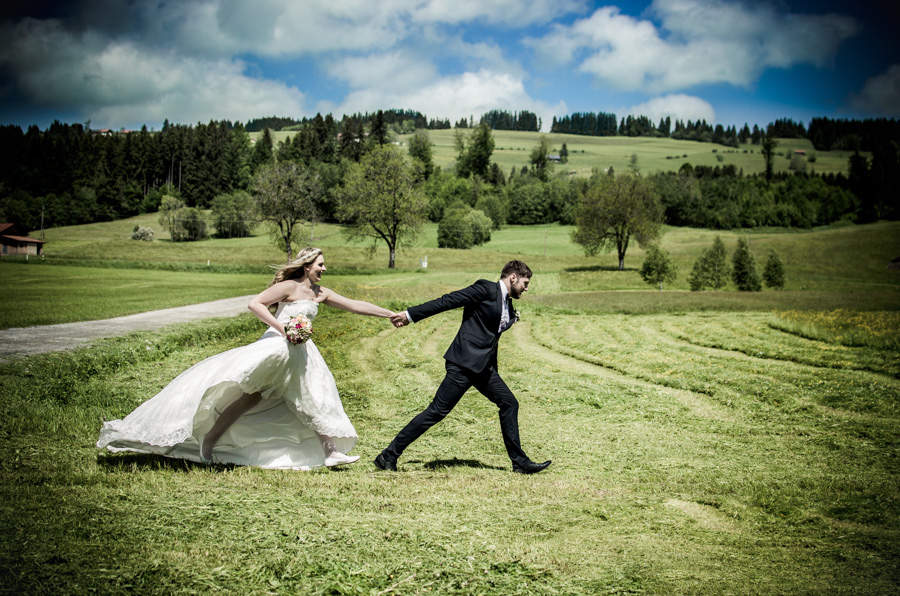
column 169, row 207
column 474, row 157
column 382, row 199
column 420, row 148
column 613, row 211
column 540, row 158
column 286, row 195
column 711, row 269
column 234, row 214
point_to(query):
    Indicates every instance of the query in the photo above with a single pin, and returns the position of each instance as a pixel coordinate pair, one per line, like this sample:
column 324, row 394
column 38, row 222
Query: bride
column 272, row 403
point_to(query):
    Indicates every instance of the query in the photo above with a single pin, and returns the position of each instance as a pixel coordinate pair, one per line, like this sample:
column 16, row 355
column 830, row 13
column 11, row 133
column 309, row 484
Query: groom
column 471, row 361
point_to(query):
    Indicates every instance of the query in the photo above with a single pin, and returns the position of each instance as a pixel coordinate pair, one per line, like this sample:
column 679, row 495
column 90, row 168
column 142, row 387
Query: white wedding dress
column 300, row 401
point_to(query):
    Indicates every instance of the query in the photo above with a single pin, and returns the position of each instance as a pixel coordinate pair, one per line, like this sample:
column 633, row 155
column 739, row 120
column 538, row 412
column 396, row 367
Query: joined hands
column 399, row 319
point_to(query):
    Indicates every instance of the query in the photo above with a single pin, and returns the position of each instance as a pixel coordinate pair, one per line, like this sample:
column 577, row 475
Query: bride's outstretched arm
column 359, row 307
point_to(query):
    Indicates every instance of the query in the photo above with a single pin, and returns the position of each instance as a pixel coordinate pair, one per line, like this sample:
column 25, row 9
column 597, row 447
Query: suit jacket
column 475, row 344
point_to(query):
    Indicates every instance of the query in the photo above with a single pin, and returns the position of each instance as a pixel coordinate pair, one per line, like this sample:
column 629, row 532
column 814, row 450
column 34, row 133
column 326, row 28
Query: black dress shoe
column 530, row 468
column 387, row 464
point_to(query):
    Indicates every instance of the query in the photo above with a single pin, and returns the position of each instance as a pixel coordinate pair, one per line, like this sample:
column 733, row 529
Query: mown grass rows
column 679, row 467
column 777, row 337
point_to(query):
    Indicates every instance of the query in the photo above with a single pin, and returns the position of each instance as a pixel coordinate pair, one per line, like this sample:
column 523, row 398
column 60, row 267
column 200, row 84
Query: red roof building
column 15, row 241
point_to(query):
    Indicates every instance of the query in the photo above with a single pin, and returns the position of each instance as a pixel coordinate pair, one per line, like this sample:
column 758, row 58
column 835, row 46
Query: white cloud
column 697, row 42
column 398, row 70
column 186, row 60
column 676, row 106
column 456, row 97
column 881, row 95
column 199, row 91
column 290, row 28
column 116, row 83
column 503, row 13
column 315, row 26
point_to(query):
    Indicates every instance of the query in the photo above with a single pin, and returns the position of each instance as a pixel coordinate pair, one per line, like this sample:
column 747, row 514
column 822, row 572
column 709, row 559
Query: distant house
column 799, row 152
column 108, row 132
column 15, row 241
column 554, row 157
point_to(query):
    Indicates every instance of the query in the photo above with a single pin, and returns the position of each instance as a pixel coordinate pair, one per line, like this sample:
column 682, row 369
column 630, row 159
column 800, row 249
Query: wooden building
column 15, row 241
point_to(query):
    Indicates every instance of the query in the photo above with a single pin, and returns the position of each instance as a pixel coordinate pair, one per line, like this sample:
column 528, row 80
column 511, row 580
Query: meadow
column 702, row 443
column 512, row 149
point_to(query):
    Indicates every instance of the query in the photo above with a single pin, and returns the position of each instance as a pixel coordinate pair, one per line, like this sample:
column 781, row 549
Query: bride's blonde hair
column 295, row 269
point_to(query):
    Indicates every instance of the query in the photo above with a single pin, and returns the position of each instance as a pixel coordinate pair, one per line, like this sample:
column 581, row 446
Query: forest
column 69, row 174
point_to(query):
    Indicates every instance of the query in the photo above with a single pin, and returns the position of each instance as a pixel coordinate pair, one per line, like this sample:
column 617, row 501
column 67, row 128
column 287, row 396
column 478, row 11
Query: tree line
column 70, row 174
column 826, row 134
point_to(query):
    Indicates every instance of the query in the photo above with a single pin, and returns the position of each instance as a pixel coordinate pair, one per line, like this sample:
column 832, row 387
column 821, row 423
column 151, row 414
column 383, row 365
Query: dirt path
column 27, row 341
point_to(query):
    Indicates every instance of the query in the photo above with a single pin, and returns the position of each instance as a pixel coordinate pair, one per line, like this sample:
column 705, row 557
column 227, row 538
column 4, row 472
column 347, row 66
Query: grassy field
column 702, row 443
column 513, row 149
column 95, row 271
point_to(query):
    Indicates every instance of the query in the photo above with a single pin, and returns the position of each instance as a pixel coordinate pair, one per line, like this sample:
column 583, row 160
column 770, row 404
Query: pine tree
column 743, row 272
column 768, row 151
column 774, row 271
column 378, row 132
column 263, row 151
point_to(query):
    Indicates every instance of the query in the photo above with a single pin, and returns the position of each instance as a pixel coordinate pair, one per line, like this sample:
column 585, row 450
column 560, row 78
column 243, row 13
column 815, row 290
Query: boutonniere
column 516, row 316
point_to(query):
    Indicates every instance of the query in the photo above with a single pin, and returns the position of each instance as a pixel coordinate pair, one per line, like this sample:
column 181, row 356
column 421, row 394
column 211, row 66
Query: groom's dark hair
column 517, row 267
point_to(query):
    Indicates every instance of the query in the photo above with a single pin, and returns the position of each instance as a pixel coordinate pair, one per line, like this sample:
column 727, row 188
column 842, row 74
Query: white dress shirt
column 504, row 316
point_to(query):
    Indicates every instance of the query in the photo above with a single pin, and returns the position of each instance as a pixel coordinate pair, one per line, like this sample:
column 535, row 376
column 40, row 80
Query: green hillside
column 512, row 149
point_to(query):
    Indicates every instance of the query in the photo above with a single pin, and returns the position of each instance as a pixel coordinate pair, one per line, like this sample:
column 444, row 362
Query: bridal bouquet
column 298, row 329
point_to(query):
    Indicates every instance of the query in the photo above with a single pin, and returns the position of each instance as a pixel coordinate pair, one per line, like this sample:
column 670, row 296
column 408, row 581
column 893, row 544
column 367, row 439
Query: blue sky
column 123, row 64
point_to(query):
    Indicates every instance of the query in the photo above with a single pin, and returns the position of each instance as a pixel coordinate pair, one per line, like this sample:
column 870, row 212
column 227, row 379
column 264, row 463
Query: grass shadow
column 136, row 462
column 142, row 462
column 441, row 464
column 594, row 268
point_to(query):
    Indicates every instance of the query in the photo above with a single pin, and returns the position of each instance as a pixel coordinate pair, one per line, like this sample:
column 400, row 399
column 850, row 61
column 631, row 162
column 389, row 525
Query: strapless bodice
column 287, row 310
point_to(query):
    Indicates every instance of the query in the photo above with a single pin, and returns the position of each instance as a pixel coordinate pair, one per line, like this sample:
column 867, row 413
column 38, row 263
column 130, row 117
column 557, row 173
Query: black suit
column 471, row 361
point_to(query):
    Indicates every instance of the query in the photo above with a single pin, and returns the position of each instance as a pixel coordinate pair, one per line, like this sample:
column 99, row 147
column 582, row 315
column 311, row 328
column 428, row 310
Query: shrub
column 658, row 267
column 480, row 225
column 144, row 233
column 463, row 227
column 454, row 231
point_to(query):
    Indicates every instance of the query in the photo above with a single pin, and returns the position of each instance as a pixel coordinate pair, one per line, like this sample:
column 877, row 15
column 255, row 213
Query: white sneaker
column 337, row 459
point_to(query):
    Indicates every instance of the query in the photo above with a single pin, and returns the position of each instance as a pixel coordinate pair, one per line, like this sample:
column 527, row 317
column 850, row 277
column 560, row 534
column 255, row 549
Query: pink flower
column 298, row 329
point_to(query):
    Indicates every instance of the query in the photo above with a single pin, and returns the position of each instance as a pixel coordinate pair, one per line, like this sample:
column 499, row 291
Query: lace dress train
column 300, row 403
